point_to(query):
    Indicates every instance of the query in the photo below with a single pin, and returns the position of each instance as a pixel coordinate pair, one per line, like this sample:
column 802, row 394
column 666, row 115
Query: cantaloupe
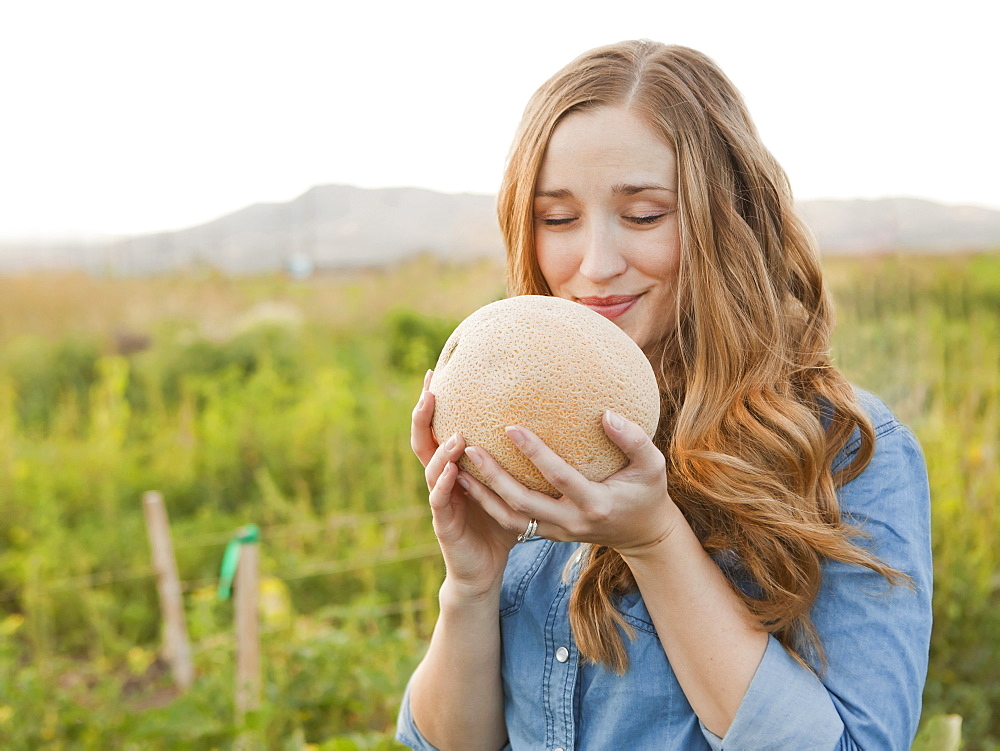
column 552, row 366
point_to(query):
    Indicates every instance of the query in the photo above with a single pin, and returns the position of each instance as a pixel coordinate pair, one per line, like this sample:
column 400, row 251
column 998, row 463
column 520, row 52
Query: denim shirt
column 875, row 637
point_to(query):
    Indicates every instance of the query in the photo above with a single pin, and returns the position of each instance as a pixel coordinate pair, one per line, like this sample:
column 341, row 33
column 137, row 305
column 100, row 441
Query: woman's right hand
column 474, row 546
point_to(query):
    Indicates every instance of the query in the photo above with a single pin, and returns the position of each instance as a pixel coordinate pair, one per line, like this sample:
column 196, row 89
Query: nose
column 603, row 258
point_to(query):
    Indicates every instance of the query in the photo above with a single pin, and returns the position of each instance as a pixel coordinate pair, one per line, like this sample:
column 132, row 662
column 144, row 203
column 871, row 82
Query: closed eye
column 644, row 219
column 556, row 222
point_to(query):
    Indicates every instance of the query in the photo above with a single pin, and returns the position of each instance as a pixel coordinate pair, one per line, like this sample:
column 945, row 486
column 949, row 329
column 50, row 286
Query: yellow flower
column 19, row 535
column 21, row 470
column 11, row 624
column 976, row 454
column 139, row 660
column 48, row 729
column 275, row 604
column 204, row 594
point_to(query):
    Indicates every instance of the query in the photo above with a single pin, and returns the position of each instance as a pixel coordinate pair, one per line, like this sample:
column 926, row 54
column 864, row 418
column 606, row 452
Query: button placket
column 566, row 666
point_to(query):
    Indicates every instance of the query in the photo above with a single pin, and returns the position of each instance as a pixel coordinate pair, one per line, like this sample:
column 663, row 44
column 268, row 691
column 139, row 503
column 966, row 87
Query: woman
column 759, row 575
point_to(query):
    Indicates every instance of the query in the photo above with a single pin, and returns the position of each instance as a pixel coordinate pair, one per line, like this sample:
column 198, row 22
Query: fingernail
column 476, row 457
column 463, row 481
column 451, row 442
column 516, row 435
column 615, row 420
column 427, row 378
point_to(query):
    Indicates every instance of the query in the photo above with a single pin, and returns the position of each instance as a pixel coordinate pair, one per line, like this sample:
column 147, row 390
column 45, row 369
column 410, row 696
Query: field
column 286, row 404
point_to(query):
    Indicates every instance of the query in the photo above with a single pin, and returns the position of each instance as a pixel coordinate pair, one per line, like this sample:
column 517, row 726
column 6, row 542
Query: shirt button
column 562, row 654
column 559, row 749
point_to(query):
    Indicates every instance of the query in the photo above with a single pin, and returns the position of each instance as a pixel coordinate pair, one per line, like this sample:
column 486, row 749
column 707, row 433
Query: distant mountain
column 341, row 227
column 328, row 227
column 900, row 224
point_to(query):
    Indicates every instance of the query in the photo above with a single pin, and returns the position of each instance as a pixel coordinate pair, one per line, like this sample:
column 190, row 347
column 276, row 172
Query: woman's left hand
column 631, row 511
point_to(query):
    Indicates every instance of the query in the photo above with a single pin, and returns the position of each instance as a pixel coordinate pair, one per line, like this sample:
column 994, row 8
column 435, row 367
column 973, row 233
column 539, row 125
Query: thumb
column 631, row 439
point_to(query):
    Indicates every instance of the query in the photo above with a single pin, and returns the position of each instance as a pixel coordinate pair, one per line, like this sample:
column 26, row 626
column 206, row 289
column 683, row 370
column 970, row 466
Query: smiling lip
column 610, row 307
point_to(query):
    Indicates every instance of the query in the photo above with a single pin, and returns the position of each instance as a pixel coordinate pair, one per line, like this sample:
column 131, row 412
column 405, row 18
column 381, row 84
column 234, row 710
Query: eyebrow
column 631, row 190
column 619, row 189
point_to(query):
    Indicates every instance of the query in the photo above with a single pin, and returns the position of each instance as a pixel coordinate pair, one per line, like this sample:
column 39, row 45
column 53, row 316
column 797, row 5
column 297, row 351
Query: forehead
column 608, row 142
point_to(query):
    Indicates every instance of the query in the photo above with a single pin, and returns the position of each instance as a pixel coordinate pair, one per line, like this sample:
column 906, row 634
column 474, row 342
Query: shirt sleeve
column 406, row 729
column 876, row 637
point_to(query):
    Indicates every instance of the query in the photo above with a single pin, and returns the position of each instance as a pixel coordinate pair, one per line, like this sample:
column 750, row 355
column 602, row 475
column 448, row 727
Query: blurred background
column 234, row 236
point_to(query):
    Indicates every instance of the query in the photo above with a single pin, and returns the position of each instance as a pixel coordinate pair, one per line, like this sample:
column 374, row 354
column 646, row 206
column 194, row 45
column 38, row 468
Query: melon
column 552, row 366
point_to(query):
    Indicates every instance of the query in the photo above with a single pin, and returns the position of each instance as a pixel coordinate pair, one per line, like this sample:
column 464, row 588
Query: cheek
column 663, row 258
column 557, row 267
column 669, row 268
column 658, row 264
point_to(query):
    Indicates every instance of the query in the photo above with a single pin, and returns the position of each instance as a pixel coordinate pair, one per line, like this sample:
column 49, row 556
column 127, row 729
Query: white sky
column 121, row 116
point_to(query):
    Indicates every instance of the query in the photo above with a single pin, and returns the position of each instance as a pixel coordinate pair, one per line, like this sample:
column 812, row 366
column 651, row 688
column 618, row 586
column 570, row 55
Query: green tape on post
column 231, row 558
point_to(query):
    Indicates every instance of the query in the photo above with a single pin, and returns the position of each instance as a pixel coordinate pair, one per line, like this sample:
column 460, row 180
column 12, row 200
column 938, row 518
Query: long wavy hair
column 752, row 410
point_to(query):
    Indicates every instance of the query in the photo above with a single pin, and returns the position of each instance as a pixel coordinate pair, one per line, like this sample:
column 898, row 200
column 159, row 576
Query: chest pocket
column 634, row 610
column 522, row 565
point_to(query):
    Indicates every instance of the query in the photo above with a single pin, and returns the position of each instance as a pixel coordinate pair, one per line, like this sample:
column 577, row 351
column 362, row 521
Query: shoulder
column 890, row 434
column 890, row 499
column 876, row 636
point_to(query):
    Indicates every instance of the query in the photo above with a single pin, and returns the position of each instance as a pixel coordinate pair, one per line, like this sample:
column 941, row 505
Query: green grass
column 287, row 404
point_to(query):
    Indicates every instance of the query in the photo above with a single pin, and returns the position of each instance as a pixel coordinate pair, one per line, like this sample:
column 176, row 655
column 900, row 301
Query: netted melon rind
column 551, row 365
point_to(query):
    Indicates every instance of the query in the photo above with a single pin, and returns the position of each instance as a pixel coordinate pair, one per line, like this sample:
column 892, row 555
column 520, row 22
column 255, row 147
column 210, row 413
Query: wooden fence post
column 177, row 646
column 248, row 676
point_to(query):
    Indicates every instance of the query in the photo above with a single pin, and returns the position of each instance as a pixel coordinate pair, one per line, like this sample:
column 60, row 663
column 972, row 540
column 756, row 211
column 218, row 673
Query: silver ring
column 529, row 532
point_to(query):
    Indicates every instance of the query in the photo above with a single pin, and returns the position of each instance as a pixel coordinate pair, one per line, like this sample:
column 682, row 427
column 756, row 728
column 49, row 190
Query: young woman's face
column 606, row 225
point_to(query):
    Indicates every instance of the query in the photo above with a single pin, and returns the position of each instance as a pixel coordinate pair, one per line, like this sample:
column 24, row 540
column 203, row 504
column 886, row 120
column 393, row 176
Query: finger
column 564, row 477
column 633, row 441
column 446, row 514
column 526, row 502
column 440, row 495
column 450, row 451
column 513, row 521
column 492, row 504
column 422, row 440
